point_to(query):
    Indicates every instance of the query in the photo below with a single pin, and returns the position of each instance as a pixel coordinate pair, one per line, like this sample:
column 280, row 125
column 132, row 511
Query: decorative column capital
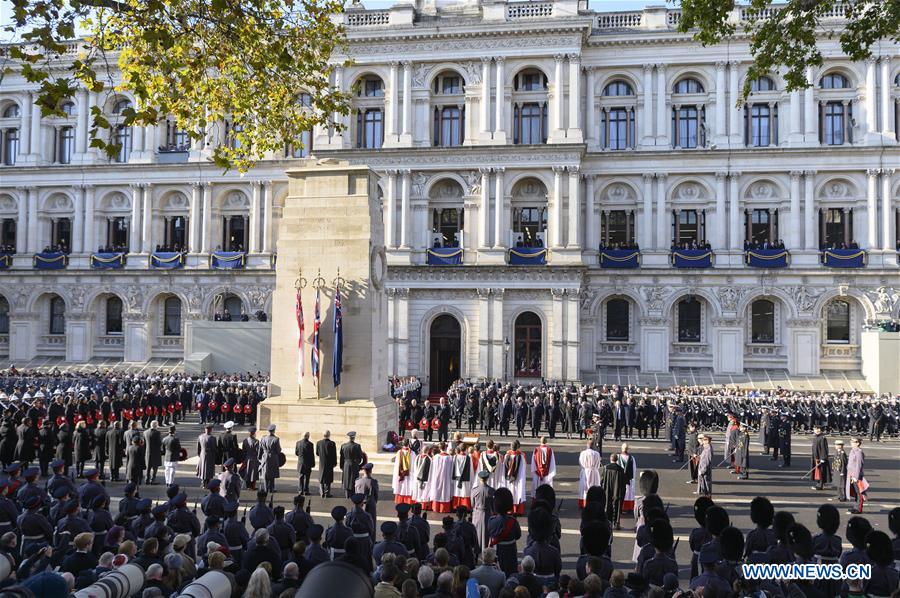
column 720, row 66
column 589, row 69
column 796, row 174
column 574, row 57
column 873, row 172
column 660, row 66
column 500, row 169
column 661, row 176
column 559, row 58
column 499, row 59
column 648, row 176
column 573, row 169
column 558, row 170
column 558, row 293
column 809, row 173
column 484, row 170
column 486, row 59
column 734, row 174
column 721, row 175
column 734, row 63
column 648, row 67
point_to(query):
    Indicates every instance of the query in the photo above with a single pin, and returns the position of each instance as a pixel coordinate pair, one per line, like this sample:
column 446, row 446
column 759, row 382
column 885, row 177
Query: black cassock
column 351, row 461
column 326, row 451
column 822, row 472
column 612, row 480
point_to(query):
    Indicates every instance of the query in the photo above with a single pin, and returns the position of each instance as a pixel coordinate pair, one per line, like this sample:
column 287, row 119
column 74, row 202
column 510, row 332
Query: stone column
column 134, row 229
column 556, row 211
column 735, row 135
column 721, row 218
column 720, row 134
column 207, row 218
column 390, row 210
column 37, row 151
column 390, row 106
column 499, row 211
column 871, row 240
column 23, row 225
column 574, row 134
column 887, row 214
column 194, row 219
column 78, row 222
column 498, row 362
column 31, row 200
column 810, row 124
column 887, row 106
column 592, row 235
column 484, row 209
column 809, row 211
column 147, row 222
column 255, row 188
column 590, row 111
column 736, row 241
column 796, row 133
column 484, row 332
column 662, row 120
column 646, row 121
column 81, row 130
column 555, row 356
column 662, row 216
column 499, row 124
column 573, row 334
column 557, row 123
column 407, row 103
column 404, row 210
column 391, row 331
column 574, row 209
column 337, row 118
column 485, row 124
column 795, row 236
column 268, row 217
column 27, row 112
column 870, row 100
column 90, row 241
column 647, row 213
column 403, row 330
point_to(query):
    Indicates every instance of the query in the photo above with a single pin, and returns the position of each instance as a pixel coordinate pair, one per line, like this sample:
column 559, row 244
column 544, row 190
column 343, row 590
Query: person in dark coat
column 228, row 445
column 8, row 440
column 742, row 452
column 306, row 460
column 821, row 467
column 784, row 440
column 82, row 447
column 207, row 447
column 64, row 445
column 504, row 532
column 612, row 480
column 25, row 445
column 270, row 456
column 171, row 448
column 351, row 461
column 153, row 452
column 115, row 449
column 100, row 447
column 46, row 446
column 134, row 462
column 326, row 451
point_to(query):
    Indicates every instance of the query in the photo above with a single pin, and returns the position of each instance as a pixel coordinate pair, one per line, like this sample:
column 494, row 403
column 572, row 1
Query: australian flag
column 316, row 373
column 338, row 355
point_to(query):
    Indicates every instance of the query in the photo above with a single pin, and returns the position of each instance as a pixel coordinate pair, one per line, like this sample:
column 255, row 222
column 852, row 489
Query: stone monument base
column 370, row 420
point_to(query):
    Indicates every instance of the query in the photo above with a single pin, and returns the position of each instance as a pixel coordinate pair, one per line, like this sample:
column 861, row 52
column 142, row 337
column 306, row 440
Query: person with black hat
column 705, row 466
column 708, row 558
column 171, row 448
column 213, row 504
column 358, row 548
column 183, row 521
column 231, row 482
column 338, row 533
column 158, row 528
column 761, row 538
column 389, row 542
column 784, row 439
column 8, row 509
column 359, row 514
column 547, row 559
column 30, row 488
column 742, row 452
column 315, row 553
column 115, row 449
column 306, row 460
column 820, row 464
column 212, row 534
column 504, row 531
column 261, row 515
column 142, row 519
column 71, row 524
column 100, row 520
column 282, row 533
column 299, row 519
column 270, row 457
column 207, row 454
column 46, row 445
column 326, row 451
column 894, row 526
column 482, row 507
column 235, row 531
column 350, row 462
column 884, row 579
column 249, row 468
column 839, row 470
column 36, row 530
column 679, row 435
column 91, row 488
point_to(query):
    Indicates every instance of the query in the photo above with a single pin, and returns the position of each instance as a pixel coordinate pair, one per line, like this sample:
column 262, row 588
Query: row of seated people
column 756, row 245
column 225, row 316
column 7, row 249
column 175, row 248
column 687, row 245
column 830, row 246
column 60, row 247
column 438, row 244
column 232, row 247
column 112, row 248
column 630, row 246
column 537, row 242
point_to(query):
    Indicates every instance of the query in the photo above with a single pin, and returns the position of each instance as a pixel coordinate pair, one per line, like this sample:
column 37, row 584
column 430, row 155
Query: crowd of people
column 59, row 247
column 112, row 248
column 751, row 245
column 691, row 245
column 632, row 245
column 7, row 249
column 63, row 533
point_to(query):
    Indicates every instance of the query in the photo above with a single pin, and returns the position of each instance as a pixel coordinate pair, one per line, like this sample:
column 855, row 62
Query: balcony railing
column 528, row 10
column 620, row 20
column 368, row 18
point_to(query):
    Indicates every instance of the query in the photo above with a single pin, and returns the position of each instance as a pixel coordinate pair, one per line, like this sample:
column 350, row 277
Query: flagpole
column 299, row 285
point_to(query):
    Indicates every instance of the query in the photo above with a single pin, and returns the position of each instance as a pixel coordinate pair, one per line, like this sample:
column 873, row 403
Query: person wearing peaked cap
column 250, row 466
column 182, row 520
column 705, row 466
column 231, row 481
column 315, row 553
column 821, row 465
column 742, row 452
column 337, row 534
column 46, row 439
column 72, row 522
column 389, row 542
column 228, row 444
column 212, row 534
column 270, row 459
column 784, row 440
column 171, row 448
column 213, row 503
column 839, row 470
column 59, row 479
column 207, row 451
column 359, row 514
column 91, row 488
column 708, row 578
column 34, row 527
column 351, row 459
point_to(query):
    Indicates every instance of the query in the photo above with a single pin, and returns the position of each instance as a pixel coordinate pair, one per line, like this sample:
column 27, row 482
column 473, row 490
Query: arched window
column 67, row 108
column 617, row 323
column 234, row 306
column 689, row 320
column 837, row 318
column 448, row 110
column 688, row 85
column 618, row 88
column 762, row 321
column 4, row 315
column 121, row 106
column 172, row 317
column 11, row 111
column 369, row 106
column 113, row 315
column 530, row 80
column 528, row 345
column 834, row 81
column 371, row 87
column 57, row 315
column 762, row 84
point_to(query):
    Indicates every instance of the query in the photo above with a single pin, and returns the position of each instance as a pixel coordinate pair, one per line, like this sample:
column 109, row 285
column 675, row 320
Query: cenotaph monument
column 331, row 232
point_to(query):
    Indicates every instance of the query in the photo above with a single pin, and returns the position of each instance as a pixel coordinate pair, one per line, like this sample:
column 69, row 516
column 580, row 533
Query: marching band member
column 590, row 462
column 442, row 481
column 462, row 479
column 543, row 465
column 513, row 471
column 402, row 479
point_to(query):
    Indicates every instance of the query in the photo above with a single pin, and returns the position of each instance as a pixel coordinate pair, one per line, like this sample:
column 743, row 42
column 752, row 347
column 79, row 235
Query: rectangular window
column 686, row 127
column 122, row 139
column 448, row 222
column 760, row 125
column 619, row 129
column 531, row 125
column 530, row 222
column 300, row 151
column 118, row 233
column 835, row 227
column 688, row 227
column 759, row 226
column 66, row 145
column 10, row 147
column 448, row 126
column 834, row 124
column 618, row 228
column 370, row 128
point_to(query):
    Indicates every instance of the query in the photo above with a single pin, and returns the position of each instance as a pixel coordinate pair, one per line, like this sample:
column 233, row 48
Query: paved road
column 782, row 486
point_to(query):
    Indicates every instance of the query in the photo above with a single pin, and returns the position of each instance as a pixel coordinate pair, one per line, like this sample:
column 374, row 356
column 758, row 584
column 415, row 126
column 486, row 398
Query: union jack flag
column 301, row 349
column 316, row 357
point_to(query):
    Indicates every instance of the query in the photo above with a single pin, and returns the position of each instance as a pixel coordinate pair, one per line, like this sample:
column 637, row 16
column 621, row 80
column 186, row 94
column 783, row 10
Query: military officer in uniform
column 351, row 461
column 482, row 507
column 269, row 459
column 171, row 446
column 784, row 440
column 368, row 487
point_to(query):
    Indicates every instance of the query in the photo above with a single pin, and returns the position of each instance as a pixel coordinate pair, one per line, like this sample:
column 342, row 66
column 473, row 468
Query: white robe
column 628, row 503
column 441, row 482
column 422, row 493
column 537, row 480
column 463, row 490
column 496, row 480
column 404, row 488
column 517, row 486
column 590, row 462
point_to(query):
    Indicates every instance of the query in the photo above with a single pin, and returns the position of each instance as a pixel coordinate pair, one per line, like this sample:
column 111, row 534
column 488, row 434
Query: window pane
column 762, row 322
column 172, row 317
column 838, row 322
column 57, row 316
column 689, row 321
column 618, row 127
column 11, row 147
column 617, row 320
column 113, row 315
column 528, row 345
column 618, row 88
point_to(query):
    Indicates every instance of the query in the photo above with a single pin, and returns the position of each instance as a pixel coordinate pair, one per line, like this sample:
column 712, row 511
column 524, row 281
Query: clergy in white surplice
column 543, row 465
column 462, row 479
column 590, row 462
column 403, row 480
column 422, row 479
column 442, row 481
column 491, row 461
column 629, row 464
column 513, row 471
